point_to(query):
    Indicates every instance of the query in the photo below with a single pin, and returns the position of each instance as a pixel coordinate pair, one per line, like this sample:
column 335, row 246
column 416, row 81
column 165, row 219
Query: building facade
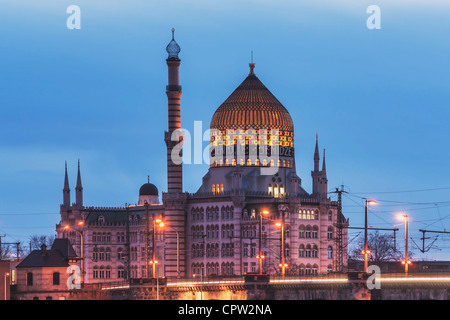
column 250, row 214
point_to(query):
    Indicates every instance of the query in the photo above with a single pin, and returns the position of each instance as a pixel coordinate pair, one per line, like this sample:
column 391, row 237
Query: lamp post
column 153, row 262
column 162, row 224
column 67, row 227
column 406, row 262
column 6, row 292
column 283, row 263
column 260, row 256
column 366, row 250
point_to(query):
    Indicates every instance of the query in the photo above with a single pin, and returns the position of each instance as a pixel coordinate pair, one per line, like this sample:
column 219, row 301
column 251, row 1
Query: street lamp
column 261, row 256
column 6, row 275
column 366, row 251
column 406, row 262
column 283, row 265
column 162, row 225
column 153, row 262
column 67, row 227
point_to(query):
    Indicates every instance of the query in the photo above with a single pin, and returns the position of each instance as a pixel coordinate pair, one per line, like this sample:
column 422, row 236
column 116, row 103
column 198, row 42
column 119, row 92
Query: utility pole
column 423, row 238
column 340, row 224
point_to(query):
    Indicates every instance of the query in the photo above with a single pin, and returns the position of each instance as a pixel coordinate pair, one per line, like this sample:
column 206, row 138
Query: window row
column 212, row 250
column 212, row 232
column 226, row 269
column 250, row 162
column 198, row 214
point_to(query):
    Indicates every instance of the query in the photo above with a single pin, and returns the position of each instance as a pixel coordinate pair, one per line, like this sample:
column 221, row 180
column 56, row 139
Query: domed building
column 249, row 215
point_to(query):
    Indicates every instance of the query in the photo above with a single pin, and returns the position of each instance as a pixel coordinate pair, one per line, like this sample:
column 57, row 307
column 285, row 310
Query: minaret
column 66, row 190
column 174, row 199
column 173, row 91
column 79, row 188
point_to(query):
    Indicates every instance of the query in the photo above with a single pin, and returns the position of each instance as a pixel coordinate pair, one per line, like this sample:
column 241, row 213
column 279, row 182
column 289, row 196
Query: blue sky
column 379, row 99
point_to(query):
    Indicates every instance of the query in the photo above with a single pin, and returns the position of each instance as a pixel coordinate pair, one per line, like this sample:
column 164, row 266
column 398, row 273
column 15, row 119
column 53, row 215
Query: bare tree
column 36, row 241
column 381, row 249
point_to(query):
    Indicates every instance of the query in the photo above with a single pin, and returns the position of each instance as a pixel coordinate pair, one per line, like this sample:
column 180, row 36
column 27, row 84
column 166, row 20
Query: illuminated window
column 221, row 187
column 257, row 162
column 270, row 190
column 249, row 162
column 213, row 188
column 275, row 191
column 241, row 161
column 264, row 162
column 233, row 163
column 282, row 189
column 272, row 163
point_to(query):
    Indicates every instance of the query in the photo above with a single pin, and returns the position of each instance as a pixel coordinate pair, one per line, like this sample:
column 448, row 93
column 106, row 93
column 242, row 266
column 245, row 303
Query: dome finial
column 251, row 64
column 173, row 49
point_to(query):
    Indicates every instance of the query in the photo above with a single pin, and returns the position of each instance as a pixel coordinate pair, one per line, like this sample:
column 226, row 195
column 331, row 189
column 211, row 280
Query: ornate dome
column 252, row 106
column 148, row 189
column 173, row 49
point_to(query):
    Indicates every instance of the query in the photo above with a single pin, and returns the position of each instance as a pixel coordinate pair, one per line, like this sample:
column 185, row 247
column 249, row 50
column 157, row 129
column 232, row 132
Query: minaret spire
column 79, row 188
column 324, row 168
column 66, row 189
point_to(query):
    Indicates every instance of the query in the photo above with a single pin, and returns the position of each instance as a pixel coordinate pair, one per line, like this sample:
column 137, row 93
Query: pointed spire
column 324, row 168
column 66, row 179
column 79, row 188
column 66, row 189
column 316, row 154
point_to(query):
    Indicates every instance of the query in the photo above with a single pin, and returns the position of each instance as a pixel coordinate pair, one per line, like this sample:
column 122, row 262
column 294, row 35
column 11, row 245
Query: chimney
column 44, row 249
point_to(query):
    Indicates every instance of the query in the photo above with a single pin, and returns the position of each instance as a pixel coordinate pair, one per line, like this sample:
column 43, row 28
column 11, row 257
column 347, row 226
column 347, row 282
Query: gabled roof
column 57, row 256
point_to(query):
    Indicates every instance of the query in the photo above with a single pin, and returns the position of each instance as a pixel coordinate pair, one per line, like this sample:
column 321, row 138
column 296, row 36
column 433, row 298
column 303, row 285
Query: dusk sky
column 379, row 100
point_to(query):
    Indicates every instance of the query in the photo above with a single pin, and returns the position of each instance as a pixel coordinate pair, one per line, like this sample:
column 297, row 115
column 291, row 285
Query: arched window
column 308, row 232
column 330, row 233
column 301, row 231
column 314, row 232
column 314, row 269
column 270, row 190
column 330, row 252
column 214, row 188
column 282, row 190
column 308, row 269
column 314, row 251
column 301, row 269
column 308, row 251
column 301, row 251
